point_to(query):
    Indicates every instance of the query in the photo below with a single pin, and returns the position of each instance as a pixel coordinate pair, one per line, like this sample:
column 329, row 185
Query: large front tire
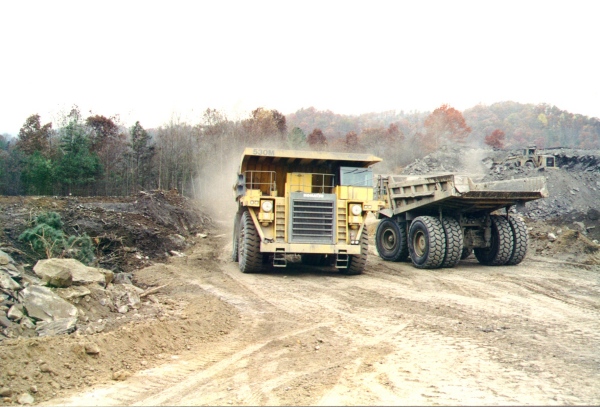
column 427, row 242
column 390, row 240
column 250, row 258
column 358, row 261
column 236, row 238
column 501, row 245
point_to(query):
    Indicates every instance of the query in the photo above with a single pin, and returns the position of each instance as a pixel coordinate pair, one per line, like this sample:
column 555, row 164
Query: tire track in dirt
column 394, row 335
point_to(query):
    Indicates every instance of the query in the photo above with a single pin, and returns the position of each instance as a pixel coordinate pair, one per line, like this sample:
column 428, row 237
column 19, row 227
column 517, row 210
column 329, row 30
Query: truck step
column 342, row 260
column 279, row 259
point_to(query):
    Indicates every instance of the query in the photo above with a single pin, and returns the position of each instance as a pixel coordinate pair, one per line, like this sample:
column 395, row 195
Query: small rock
column 73, row 292
column 121, row 375
column 15, row 312
column 123, row 309
column 27, row 323
column 5, row 392
column 92, row 349
column 33, row 388
column 551, row 237
column 44, row 368
column 58, row 327
column 122, row 278
column 7, row 282
column 4, row 258
column 25, row 398
column 5, row 322
column 580, row 226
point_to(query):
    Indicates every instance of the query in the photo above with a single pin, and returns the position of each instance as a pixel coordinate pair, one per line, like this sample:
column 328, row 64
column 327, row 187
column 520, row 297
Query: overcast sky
column 151, row 61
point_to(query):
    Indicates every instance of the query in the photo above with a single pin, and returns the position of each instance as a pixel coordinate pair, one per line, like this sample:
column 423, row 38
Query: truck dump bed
column 457, row 193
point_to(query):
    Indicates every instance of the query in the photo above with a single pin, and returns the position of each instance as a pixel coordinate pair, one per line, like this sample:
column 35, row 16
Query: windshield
column 359, row 177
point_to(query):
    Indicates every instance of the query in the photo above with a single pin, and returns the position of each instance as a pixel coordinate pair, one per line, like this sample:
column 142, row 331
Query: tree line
column 96, row 155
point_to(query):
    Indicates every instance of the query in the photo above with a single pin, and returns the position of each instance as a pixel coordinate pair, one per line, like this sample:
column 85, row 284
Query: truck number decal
column 258, row 151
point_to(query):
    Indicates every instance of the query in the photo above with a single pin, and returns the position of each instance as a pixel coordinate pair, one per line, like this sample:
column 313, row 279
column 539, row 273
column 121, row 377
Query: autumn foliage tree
column 351, row 141
column 34, row 137
column 265, row 124
column 495, row 139
column 108, row 142
column 444, row 126
column 316, row 139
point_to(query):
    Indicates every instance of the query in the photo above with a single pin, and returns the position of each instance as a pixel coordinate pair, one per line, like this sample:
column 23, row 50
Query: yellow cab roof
column 268, row 156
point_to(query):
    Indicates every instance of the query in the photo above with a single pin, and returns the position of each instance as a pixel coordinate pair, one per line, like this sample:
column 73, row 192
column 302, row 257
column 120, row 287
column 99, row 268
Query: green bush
column 46, row 238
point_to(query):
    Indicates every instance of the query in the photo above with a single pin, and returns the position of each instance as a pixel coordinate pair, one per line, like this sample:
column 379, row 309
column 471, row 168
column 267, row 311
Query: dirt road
column 527, row 334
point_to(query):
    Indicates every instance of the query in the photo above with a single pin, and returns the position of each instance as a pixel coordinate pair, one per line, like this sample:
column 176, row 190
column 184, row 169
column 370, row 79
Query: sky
column 157, row 61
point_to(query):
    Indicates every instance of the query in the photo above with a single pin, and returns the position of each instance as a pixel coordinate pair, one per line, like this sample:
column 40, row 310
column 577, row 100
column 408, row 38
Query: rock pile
column 64, row 296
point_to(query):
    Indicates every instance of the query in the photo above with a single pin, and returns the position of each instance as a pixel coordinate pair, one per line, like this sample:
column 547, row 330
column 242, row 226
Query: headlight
column 267, row 206
column 356, row 209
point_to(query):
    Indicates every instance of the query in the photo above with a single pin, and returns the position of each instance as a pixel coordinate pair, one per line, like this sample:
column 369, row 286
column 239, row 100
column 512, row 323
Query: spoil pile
column 61, row 296
column 128, row 232
column 64, row 325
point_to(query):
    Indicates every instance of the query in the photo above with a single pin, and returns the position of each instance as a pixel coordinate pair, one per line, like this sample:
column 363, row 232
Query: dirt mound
column 146, row 316
column 128, row 232
column 562, row 243
column 168, row 324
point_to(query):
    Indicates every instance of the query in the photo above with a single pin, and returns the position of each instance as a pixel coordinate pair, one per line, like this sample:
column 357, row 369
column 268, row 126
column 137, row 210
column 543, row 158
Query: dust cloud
column 214, row 184
column 472, row 162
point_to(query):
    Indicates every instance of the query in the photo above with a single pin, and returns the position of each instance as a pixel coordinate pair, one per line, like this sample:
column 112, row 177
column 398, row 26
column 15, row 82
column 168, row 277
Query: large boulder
column 43, row 304
column 53, row 273
column 80, row 273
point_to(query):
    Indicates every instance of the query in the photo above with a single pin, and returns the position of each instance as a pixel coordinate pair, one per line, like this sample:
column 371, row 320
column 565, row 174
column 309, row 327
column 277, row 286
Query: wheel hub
column 420, row 243
column 389, row 240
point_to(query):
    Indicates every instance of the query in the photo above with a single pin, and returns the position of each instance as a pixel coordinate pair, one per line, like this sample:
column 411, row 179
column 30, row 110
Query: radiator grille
column 313, row 221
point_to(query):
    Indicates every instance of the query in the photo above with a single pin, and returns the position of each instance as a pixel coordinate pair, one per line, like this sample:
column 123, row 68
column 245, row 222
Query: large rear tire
column 501, row 246
column 427, row 242
column 250, row 257
column 520, row 240
column 454, row 242
column 390, row 240
column 358, row 262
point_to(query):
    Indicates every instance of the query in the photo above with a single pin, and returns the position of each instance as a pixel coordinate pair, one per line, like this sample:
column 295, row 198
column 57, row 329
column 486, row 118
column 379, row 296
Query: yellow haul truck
column 302, row 202
column 437, row 220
